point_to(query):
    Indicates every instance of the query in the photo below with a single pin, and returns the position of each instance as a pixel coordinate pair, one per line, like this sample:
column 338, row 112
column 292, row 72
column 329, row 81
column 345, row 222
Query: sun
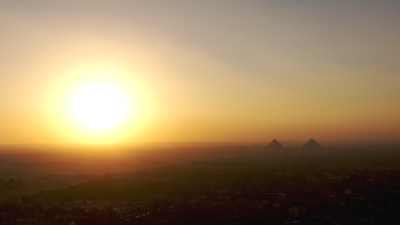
column 100, row 107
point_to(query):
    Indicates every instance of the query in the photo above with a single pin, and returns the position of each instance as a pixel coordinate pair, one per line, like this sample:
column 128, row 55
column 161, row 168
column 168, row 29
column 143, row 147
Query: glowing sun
column 100, row 107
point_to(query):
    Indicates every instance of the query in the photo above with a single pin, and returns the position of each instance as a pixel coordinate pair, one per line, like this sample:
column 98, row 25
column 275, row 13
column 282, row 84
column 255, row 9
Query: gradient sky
column 217, row 71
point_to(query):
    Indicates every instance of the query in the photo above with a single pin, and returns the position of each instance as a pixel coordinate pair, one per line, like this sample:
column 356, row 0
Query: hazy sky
column 216, row 71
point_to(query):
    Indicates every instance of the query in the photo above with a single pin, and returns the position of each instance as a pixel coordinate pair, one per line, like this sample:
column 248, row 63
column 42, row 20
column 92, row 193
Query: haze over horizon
column 203, row 71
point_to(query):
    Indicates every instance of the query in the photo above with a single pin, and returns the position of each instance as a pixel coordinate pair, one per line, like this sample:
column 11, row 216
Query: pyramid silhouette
column 312, row 144
column 275, row 144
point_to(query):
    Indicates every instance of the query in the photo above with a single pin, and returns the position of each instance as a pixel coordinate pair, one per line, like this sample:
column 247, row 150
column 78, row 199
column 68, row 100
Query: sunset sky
column 205, row 70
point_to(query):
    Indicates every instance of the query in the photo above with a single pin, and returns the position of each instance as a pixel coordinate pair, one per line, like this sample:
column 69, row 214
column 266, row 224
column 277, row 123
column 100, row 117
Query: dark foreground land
column 249, row 186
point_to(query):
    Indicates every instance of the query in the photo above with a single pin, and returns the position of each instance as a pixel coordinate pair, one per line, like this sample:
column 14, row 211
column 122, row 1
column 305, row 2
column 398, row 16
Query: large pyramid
column 312, row 145
column 275, row 144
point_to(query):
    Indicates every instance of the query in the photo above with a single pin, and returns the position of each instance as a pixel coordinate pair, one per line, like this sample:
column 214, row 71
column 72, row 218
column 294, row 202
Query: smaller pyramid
column 312, row 145
column 275, row 144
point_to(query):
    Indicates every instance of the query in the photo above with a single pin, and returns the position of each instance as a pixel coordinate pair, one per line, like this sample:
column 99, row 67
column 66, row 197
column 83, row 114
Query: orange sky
column 205, row 71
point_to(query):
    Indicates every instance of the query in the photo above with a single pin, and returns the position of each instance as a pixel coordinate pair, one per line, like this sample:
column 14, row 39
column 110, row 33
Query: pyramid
column 312, row 145
column 275, row 144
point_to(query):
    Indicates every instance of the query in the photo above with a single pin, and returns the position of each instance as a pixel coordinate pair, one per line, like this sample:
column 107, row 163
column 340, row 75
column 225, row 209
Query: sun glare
column 100, row 108
column 99, row 104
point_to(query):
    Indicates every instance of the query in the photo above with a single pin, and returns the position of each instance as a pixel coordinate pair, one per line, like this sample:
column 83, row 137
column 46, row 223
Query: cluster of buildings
column 320, row 197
